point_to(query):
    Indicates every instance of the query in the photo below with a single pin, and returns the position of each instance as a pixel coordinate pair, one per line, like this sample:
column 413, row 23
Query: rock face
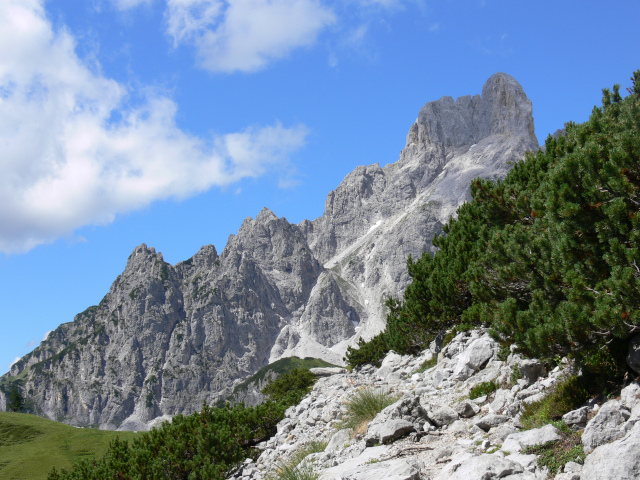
column 166, row 337
column 403, row 441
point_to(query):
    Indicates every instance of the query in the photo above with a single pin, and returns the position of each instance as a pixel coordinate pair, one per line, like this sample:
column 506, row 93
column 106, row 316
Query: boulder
column 400, row 469
column 489, row 421
column 630, row 396
column 474, row 357
column 605, row 427
column 443, row 416
column 339, row 440
column 538, row 436
column 481, row 467
column 389, row 430
column 531, row 370
column 467, row 409
column 618, row 460
column 576, row 418
column 527, row 461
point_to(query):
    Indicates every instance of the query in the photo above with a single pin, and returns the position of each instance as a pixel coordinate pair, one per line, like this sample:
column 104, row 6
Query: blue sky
column 167, row 122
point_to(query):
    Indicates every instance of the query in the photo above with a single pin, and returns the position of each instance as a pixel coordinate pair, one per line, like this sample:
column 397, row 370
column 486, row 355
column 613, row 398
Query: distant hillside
column 250, row 390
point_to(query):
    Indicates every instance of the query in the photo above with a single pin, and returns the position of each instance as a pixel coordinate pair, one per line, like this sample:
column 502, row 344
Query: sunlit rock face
column 166, row 337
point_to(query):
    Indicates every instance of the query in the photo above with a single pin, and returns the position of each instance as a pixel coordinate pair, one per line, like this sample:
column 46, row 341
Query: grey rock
column 528, row 462
column 572, row 467
column 531, row 370
column 443, row 416
column 474, row 357
column 489, row 421
column 481, row 467
column 339, row 440
column 327, row 371
column 606, row 426
column 538, row 436
column 567, row 476
column 467, row 409
column 618, row 460
column 389, row 430
column 576, row 417
column 630, row 395
column 400, row 469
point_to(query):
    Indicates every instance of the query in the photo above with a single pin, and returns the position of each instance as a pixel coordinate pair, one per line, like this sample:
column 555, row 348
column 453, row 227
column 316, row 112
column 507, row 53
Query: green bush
column 484, row 388
column 371, row 352
column 205, row 445
column 290, row 387
column 547, row 257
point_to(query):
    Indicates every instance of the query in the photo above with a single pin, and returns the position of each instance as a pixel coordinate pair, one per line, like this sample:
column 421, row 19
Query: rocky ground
column 434, row 431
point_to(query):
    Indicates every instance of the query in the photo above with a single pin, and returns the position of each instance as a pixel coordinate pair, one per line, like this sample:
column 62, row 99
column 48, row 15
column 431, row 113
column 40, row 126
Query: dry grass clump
column 363, row 406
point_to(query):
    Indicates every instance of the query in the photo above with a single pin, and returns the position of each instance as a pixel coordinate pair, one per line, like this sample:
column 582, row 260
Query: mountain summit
column 166, row 337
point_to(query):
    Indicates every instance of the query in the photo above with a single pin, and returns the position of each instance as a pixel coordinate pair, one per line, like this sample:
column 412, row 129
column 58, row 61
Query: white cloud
column 14, row 362
column 66, row 163
column 46, row 335
column 244, row 35
column 186, row 19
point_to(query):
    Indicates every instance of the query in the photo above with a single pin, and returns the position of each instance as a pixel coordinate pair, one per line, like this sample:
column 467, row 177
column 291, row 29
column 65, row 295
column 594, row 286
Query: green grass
column 291, row 471
column 484, row 388
column 564, row 397
column 30, row 446
column 554, row 455
column 363, row 406
column 427, row 364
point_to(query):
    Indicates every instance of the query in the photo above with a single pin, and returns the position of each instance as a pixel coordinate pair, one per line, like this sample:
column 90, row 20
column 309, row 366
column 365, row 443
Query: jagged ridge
column 165, row 338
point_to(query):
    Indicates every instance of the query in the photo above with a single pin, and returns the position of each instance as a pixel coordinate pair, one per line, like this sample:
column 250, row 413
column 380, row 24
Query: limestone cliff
column 166, row 337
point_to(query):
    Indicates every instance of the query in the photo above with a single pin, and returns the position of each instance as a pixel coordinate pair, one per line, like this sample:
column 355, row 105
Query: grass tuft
column 554, row 455
column 427, row 364
column 566, row 396
column 363, row 406
column 292, row 470
column 484, row 388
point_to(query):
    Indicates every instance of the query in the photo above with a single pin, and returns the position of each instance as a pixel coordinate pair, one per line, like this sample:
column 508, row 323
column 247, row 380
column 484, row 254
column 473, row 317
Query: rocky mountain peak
column 502, row 109
column 165, row 337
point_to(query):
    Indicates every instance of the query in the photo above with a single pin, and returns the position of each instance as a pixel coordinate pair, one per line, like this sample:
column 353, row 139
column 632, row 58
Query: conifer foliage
column 548, row 257
column 205, row 445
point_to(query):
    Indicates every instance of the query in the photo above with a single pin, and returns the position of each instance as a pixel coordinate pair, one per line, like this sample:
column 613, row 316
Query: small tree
column 16, row 401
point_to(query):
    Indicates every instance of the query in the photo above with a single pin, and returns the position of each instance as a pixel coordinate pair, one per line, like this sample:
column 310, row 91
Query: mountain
column 166, row 337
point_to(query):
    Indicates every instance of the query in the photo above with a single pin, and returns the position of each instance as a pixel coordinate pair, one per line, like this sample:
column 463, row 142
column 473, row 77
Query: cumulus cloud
column 76, row 152
column 245, row 35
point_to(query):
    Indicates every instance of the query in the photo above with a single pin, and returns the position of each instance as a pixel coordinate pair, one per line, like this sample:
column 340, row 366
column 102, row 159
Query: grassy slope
column 30, row 446
column 284, row 365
